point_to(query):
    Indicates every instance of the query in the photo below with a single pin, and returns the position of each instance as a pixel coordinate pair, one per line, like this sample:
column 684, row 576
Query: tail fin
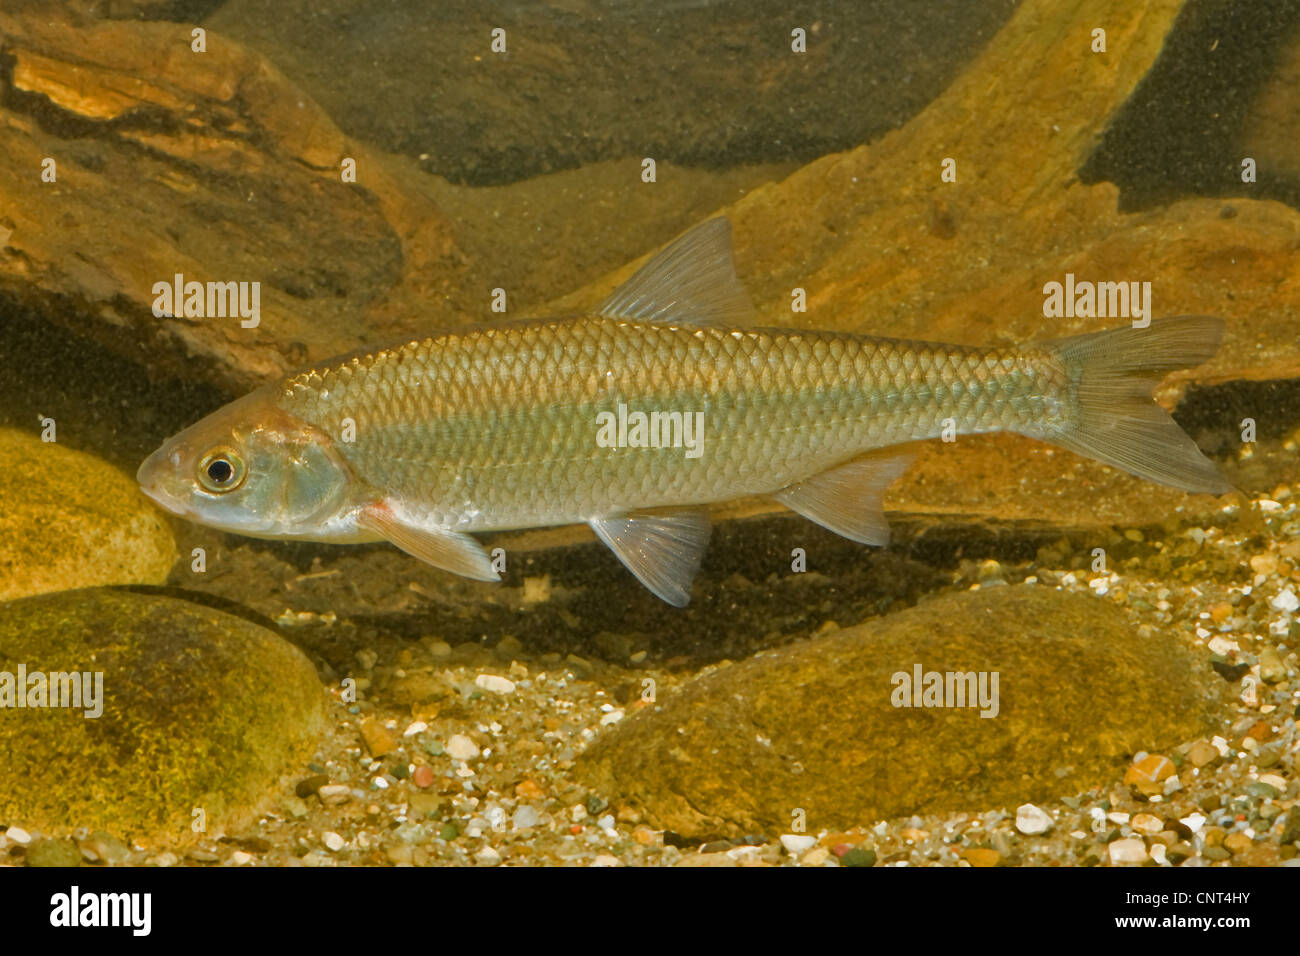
column 1114, row 419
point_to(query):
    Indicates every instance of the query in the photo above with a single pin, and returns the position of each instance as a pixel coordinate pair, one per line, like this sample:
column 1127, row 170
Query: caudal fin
column 1114, row 418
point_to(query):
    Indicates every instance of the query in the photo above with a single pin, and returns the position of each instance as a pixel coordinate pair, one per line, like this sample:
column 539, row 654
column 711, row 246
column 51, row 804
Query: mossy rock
column 813, row 726
column 201, row 710
column 69, row 520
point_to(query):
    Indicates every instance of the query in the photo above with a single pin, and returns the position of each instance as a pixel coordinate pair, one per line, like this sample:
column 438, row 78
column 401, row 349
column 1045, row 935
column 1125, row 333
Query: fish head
column 251, row 468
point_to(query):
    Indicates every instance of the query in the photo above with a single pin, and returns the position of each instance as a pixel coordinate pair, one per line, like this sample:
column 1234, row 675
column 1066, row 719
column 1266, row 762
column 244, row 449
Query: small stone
column 105, row 847
column 400, row 854
column 423, row 776
column 1220, row 612
column 1032, row 820
column 1147, row 823
column 18, row 835
column 333, row 842
column 436, row 647
column 309, row 785
column 606, row 860
column 54, row 853
column 1179, row 852
column 460, row 747
column 378, row 738
column 816, row 856
column 1129, row 850
column 488, row 856
column 239, row 858
column 525, row 817
column 1152, row 768
column 334, row 794
column 1216, row 853
column 858, row 857
column 796, row 843
column 1261, row 731
column 1237, row 842
column 1271, row 668
column 293, row 806
column 1273, row 780
column 1264, row 563
column 982, row 856
column 645, row 836
column 494, row 684
column 529, row 789
column 1202, row 754
column 1286, row 601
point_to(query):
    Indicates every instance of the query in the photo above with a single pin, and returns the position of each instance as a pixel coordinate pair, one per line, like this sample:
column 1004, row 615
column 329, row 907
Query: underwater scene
column 622, row 433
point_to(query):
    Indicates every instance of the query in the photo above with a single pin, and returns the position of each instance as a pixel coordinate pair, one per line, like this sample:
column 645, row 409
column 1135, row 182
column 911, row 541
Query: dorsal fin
column 691, row 281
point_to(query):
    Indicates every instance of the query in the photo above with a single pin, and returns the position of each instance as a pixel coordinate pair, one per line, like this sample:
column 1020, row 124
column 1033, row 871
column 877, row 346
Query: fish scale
column 513, row 412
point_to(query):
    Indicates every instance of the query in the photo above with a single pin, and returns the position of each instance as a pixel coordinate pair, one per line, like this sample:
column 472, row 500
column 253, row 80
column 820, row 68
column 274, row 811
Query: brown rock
column 1202, row 754
column 981, row 856
column 378, row 738
column 812, row 725
column 1152, row 768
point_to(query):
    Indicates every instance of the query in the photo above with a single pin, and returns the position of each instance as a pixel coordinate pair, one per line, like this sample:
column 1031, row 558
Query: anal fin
column 847, row 499
column 449, row 550
column 663, row 547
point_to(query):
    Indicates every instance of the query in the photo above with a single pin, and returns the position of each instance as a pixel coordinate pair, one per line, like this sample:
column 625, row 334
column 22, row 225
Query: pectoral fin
column 449, row 550
column 848, row 499
column 662, row 548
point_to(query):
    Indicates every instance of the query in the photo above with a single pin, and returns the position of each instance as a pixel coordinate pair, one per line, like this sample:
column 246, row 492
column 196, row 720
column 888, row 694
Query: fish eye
column 221, row 470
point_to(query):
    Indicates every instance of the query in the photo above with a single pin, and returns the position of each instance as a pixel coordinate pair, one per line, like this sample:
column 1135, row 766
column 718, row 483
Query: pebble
column 816, row 856
column 1147, row 823
column 796, row 843
column 645, row 836
column 378, row 738
column 306, row 787
column 525, row 817
column 495, row 684
column 423, row 776
column 460, row 747
column 1286, row 601
column 488, row 856
column 333, row 842
column 529, row 789
column 1237, row 842
column 105, row 847
column 1202, row 754
column 1032, row 820
column 1273, row 780
column 606, row 860
column 54, row 853
column 334, row 794
column 982, row 856
column 240, row 858
column 1152, row 768
column 1128, row 850
column 19, row 835
column 858, row 857
column 1271, row 668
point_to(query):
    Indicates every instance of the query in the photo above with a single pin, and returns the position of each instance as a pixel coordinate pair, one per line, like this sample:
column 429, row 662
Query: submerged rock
column 814, row 727
column 68, row 520
column 200, row 710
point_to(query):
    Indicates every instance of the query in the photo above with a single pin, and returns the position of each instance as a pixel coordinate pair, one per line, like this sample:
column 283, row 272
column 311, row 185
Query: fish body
column 637, row 417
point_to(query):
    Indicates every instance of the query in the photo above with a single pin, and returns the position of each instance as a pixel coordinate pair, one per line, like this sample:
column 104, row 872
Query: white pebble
column 333, row 841
column 417, row 727
column 1193, row 822
column 19, row 835
column 460, row 747
column 488, row 856
column 796, row 843
column 1130, row 850
column 1286, row 601
column 495, row 684
column 606, row 860
column 1032, row 820
column 240, row 858
column 613, row 717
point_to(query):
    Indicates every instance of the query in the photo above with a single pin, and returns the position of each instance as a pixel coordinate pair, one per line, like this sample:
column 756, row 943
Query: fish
column 636, row 417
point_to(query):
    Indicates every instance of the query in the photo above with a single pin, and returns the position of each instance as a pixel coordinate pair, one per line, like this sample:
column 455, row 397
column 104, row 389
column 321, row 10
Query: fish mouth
column 150, row 477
